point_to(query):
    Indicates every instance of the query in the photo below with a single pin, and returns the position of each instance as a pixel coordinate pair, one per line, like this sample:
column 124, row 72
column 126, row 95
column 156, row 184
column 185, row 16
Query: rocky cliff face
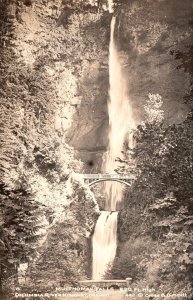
column 59, row 53
column 147, row 33
column 66, row 49
column 42, row 66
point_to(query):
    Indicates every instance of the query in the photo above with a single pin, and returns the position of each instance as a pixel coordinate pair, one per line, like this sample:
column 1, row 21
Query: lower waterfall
column 104, row 243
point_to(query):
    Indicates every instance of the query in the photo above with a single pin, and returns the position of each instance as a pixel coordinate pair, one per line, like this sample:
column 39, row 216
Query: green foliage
column 20, row 230
column 35, row 161
column 164, row 157
column 186, row 59
column 68, row 240
column 172, row 227
column 159, row 204
column 128, row 260
column 153, row 111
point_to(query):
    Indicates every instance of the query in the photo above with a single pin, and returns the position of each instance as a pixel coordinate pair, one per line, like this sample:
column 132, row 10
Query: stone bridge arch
column 108, row 179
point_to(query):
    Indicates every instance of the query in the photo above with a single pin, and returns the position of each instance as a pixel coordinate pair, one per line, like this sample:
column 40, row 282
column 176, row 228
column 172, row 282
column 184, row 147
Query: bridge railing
column 107, row 176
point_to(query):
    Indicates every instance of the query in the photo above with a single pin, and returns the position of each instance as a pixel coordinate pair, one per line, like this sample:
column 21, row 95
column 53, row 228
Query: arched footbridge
column 92, row 179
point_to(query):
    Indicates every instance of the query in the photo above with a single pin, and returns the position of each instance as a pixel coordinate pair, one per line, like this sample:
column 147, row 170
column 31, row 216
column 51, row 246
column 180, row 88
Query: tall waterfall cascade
column 104, row 241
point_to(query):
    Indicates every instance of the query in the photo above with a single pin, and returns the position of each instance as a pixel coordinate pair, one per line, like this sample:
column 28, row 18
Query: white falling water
column 120, row 124
column 111, row 6
column 104, row 243
column 120, row 121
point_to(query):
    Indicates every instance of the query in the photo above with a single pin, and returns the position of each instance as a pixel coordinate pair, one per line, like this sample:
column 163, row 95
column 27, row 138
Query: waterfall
column 120, row 120
column 104, row 240
column 110, row 6
column 104, row 243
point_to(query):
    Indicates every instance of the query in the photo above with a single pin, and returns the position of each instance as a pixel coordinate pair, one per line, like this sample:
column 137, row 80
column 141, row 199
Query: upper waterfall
column 120, row 120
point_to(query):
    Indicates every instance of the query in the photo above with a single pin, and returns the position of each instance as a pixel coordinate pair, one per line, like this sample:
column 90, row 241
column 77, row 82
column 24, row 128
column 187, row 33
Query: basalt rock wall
column 67, row 46
column 147, row 35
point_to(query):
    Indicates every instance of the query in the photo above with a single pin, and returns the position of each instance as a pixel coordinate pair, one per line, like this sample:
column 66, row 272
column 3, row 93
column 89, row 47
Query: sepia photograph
column 96, row 149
